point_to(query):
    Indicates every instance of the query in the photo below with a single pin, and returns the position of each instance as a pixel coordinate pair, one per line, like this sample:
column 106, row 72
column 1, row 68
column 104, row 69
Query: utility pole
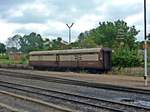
column 145, row 45
column 70, row 31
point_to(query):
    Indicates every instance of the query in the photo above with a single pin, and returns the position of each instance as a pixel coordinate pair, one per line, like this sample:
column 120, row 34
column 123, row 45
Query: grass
column 134, row 71
column 7, row 61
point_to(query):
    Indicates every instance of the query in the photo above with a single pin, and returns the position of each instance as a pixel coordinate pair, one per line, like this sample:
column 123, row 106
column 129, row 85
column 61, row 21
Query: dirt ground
column 121, row 80
column 129, row 81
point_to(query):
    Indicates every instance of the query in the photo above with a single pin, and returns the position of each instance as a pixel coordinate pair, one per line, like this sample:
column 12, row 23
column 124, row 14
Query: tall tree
column 118, row 36
column 82, row 35
column 2, row 48
column 31, row 42
column 111, row 34
column 148, row 36
column 88, row 43
column 56, row 43
column 47, row 44
column 13, row 43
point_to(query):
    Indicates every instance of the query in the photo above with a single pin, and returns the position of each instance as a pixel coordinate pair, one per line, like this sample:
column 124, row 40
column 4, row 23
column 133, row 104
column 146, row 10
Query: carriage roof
column 68, row 51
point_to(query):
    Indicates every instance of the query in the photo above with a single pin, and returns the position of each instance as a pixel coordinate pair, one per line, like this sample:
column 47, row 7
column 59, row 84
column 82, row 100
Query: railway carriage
column 91, row 58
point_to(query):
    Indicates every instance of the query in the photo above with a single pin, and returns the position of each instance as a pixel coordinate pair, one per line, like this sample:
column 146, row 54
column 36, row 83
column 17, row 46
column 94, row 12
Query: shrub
column 24, row 59
column 4, row 56
column 125, row 58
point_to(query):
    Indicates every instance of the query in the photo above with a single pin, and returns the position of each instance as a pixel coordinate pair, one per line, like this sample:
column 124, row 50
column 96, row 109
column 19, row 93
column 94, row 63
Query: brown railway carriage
column 91, row 58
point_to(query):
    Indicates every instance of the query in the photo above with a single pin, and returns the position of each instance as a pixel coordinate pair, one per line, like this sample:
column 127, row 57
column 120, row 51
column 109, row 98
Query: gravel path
column 129, row 81
column 87, row 91
column 22, row 105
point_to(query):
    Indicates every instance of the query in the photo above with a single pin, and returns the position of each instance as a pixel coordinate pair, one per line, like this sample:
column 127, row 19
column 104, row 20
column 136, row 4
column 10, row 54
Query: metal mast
column 145, row 45
column 70, row 31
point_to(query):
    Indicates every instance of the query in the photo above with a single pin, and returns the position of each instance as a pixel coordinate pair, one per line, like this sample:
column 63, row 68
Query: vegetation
column 111, row 34
column 2, row 48
column 4, row 56
column 126, row 58
column 116, row 35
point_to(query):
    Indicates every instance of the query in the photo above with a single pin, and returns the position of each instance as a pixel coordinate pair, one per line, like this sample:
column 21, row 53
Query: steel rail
column 37, row 101
column 74, row 82
column 12, row 109
column 109, row 102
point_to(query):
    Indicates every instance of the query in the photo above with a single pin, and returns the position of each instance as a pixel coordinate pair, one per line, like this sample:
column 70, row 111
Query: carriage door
column 107, row 60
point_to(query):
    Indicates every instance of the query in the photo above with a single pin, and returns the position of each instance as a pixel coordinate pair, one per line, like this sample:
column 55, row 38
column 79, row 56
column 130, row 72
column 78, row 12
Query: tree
column 118, row 36
column 83, row 35
column 47, row 44
column 31, row 42
column 56, row 43
column 12, row 49
column 88, row 43
column 111, row 34
column 2, row 48
column 13, row 43
column 123, row 57
column 148, row 36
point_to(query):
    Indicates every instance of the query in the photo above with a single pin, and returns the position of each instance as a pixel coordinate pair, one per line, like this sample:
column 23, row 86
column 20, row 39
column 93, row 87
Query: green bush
column 24, row 59
column 6, row 62
column 126, row 58
column 4, row 56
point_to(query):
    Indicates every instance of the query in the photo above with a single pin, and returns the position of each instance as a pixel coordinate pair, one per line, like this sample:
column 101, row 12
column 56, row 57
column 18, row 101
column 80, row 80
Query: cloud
column 31, row 27
column 87, row 22
column 6, row 30
column 27, row 13
column 125, row 2
column 135, row 19
column 49, row 17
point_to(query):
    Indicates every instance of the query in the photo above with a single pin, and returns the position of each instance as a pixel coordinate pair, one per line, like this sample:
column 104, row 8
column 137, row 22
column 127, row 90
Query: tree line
column 116, row 35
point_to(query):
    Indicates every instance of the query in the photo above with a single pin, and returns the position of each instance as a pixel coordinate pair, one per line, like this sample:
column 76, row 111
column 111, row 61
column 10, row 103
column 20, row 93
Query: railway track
column 7, row 108
column 74, row 82
column 20, row 103
column 89, row 103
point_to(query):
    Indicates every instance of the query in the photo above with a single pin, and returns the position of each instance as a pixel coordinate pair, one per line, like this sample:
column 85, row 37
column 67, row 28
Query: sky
column 49, row 17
